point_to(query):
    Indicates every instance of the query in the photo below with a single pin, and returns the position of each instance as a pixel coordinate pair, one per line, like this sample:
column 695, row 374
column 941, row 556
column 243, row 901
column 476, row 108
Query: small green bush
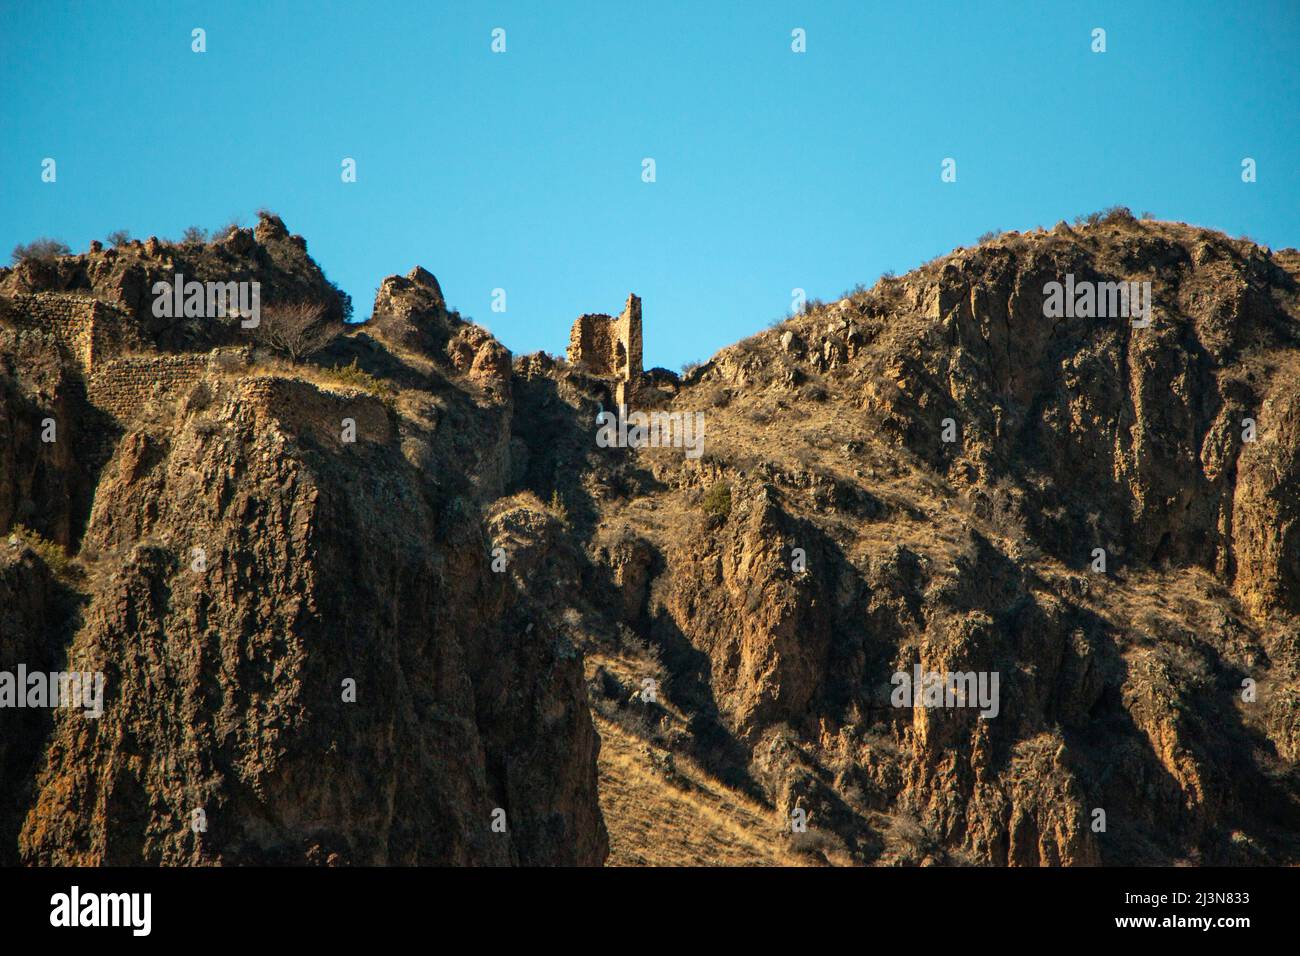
column 717, row 501
column 358, row 377
column 52, row 554
column 558, row 507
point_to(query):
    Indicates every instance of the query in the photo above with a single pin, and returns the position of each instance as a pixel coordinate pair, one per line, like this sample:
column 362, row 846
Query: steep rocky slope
column 498, row 585
column 1121, row 691
column 305, row 648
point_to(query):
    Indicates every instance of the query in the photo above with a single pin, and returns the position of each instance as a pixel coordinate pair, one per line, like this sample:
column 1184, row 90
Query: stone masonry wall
column 123, row 386
column 87, row 328
column 627, row 331
column 95, row 336
column 310, row 410
column 68, row 317
column 610, row 347
column 591, row 343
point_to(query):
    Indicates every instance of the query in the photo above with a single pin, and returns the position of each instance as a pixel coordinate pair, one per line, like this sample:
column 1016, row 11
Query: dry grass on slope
column 689, row 819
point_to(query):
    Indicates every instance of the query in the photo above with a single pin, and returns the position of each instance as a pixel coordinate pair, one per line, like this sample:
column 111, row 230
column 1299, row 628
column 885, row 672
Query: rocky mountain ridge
column 920, row 475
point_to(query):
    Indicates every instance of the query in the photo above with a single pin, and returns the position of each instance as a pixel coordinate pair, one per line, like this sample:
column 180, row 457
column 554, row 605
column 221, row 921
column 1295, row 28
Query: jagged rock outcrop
column 124, row 277
column 31, row 605
column 285, row 580
column 765, row 630
column 229, row 683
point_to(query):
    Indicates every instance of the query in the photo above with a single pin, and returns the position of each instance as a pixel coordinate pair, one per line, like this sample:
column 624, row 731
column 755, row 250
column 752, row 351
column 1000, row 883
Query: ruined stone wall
column 95, row 335
column 591, row 343
column 85, row 327
column 610, row 347
column 69, row 318
column 112, row 332
column 312, row 411
column 627, row 331
column 123, row 386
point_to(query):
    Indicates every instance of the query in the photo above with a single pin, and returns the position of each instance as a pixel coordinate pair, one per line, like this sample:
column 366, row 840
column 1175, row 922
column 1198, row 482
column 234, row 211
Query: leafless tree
column 297, row 329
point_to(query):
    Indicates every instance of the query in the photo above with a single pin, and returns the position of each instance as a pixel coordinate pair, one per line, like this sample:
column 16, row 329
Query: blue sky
column 522, row 170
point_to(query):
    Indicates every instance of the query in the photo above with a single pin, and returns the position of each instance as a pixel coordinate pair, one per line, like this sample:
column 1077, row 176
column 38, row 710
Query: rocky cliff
column 335, row 647
column 308, row 657
column 932, row 473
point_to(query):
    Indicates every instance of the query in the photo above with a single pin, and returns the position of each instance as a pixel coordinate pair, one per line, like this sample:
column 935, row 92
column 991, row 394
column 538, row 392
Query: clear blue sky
column 523, row 170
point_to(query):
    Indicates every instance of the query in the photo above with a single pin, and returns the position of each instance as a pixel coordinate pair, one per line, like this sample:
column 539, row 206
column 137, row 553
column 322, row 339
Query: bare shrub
column 818, row 843
column 40, row 250
column 908, row 840
column 297, row 330
column 1115, row 215
column 1112, row 215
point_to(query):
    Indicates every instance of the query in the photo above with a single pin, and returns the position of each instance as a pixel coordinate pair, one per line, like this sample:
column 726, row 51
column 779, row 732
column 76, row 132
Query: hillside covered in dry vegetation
column 639, row 656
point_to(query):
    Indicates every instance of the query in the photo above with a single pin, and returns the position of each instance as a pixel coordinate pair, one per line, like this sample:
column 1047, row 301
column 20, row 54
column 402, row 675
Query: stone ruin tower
column 610, row 347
